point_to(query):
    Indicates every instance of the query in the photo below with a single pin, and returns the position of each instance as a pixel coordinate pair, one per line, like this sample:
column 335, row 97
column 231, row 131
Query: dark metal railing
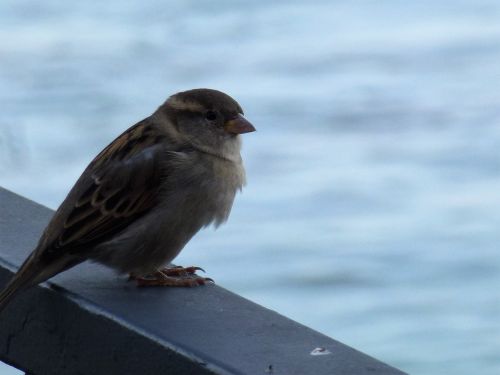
column 90, row 321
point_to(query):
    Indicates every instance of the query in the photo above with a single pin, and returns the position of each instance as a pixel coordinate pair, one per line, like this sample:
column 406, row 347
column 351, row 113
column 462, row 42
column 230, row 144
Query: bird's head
column 208, row 119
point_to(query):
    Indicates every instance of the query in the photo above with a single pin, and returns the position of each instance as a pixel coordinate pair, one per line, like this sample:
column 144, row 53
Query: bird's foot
column 181, row 271
column 173, row 276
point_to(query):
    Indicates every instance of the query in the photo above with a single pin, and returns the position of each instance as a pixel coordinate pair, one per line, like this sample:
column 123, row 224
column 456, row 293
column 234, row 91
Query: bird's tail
column 34, row 271
column 23, row 279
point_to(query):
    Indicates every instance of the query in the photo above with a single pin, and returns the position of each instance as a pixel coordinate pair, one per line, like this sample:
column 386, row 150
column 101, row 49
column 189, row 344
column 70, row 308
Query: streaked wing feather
column 124, row 184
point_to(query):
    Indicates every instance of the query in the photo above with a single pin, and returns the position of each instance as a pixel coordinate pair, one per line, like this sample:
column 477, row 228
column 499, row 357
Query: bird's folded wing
column 115, row 197
column 119, row 186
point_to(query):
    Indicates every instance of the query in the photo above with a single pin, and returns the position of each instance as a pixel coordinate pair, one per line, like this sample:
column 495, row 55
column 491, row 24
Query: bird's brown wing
column 120, row 185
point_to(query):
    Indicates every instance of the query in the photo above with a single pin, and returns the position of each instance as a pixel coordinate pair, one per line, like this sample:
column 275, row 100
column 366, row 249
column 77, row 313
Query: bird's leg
column 174, row 276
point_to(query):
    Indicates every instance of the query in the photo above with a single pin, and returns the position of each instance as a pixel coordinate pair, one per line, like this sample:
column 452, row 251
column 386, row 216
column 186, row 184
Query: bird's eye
column 211, row 115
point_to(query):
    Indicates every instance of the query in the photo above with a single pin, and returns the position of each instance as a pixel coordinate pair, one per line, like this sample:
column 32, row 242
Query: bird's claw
column 181, row 271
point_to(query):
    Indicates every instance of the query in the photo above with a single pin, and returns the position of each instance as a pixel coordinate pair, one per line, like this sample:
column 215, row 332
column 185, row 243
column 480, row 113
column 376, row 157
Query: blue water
column 372, row 211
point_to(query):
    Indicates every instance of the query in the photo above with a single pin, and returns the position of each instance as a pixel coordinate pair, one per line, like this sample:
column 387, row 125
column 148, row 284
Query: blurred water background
column 372, row 209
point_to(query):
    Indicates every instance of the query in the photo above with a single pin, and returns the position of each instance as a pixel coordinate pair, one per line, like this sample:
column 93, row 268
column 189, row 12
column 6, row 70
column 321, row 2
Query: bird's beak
column 238, row 125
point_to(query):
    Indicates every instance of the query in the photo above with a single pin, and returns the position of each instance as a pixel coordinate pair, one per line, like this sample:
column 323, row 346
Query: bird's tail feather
column 33, row 272
column 24, row 278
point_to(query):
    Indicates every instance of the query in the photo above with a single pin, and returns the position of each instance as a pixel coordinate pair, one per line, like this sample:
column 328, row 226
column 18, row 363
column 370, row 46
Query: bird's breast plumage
column 203, row 187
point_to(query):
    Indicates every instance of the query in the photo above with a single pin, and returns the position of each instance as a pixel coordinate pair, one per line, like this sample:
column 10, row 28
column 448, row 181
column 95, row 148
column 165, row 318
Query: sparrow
column 146, row 194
